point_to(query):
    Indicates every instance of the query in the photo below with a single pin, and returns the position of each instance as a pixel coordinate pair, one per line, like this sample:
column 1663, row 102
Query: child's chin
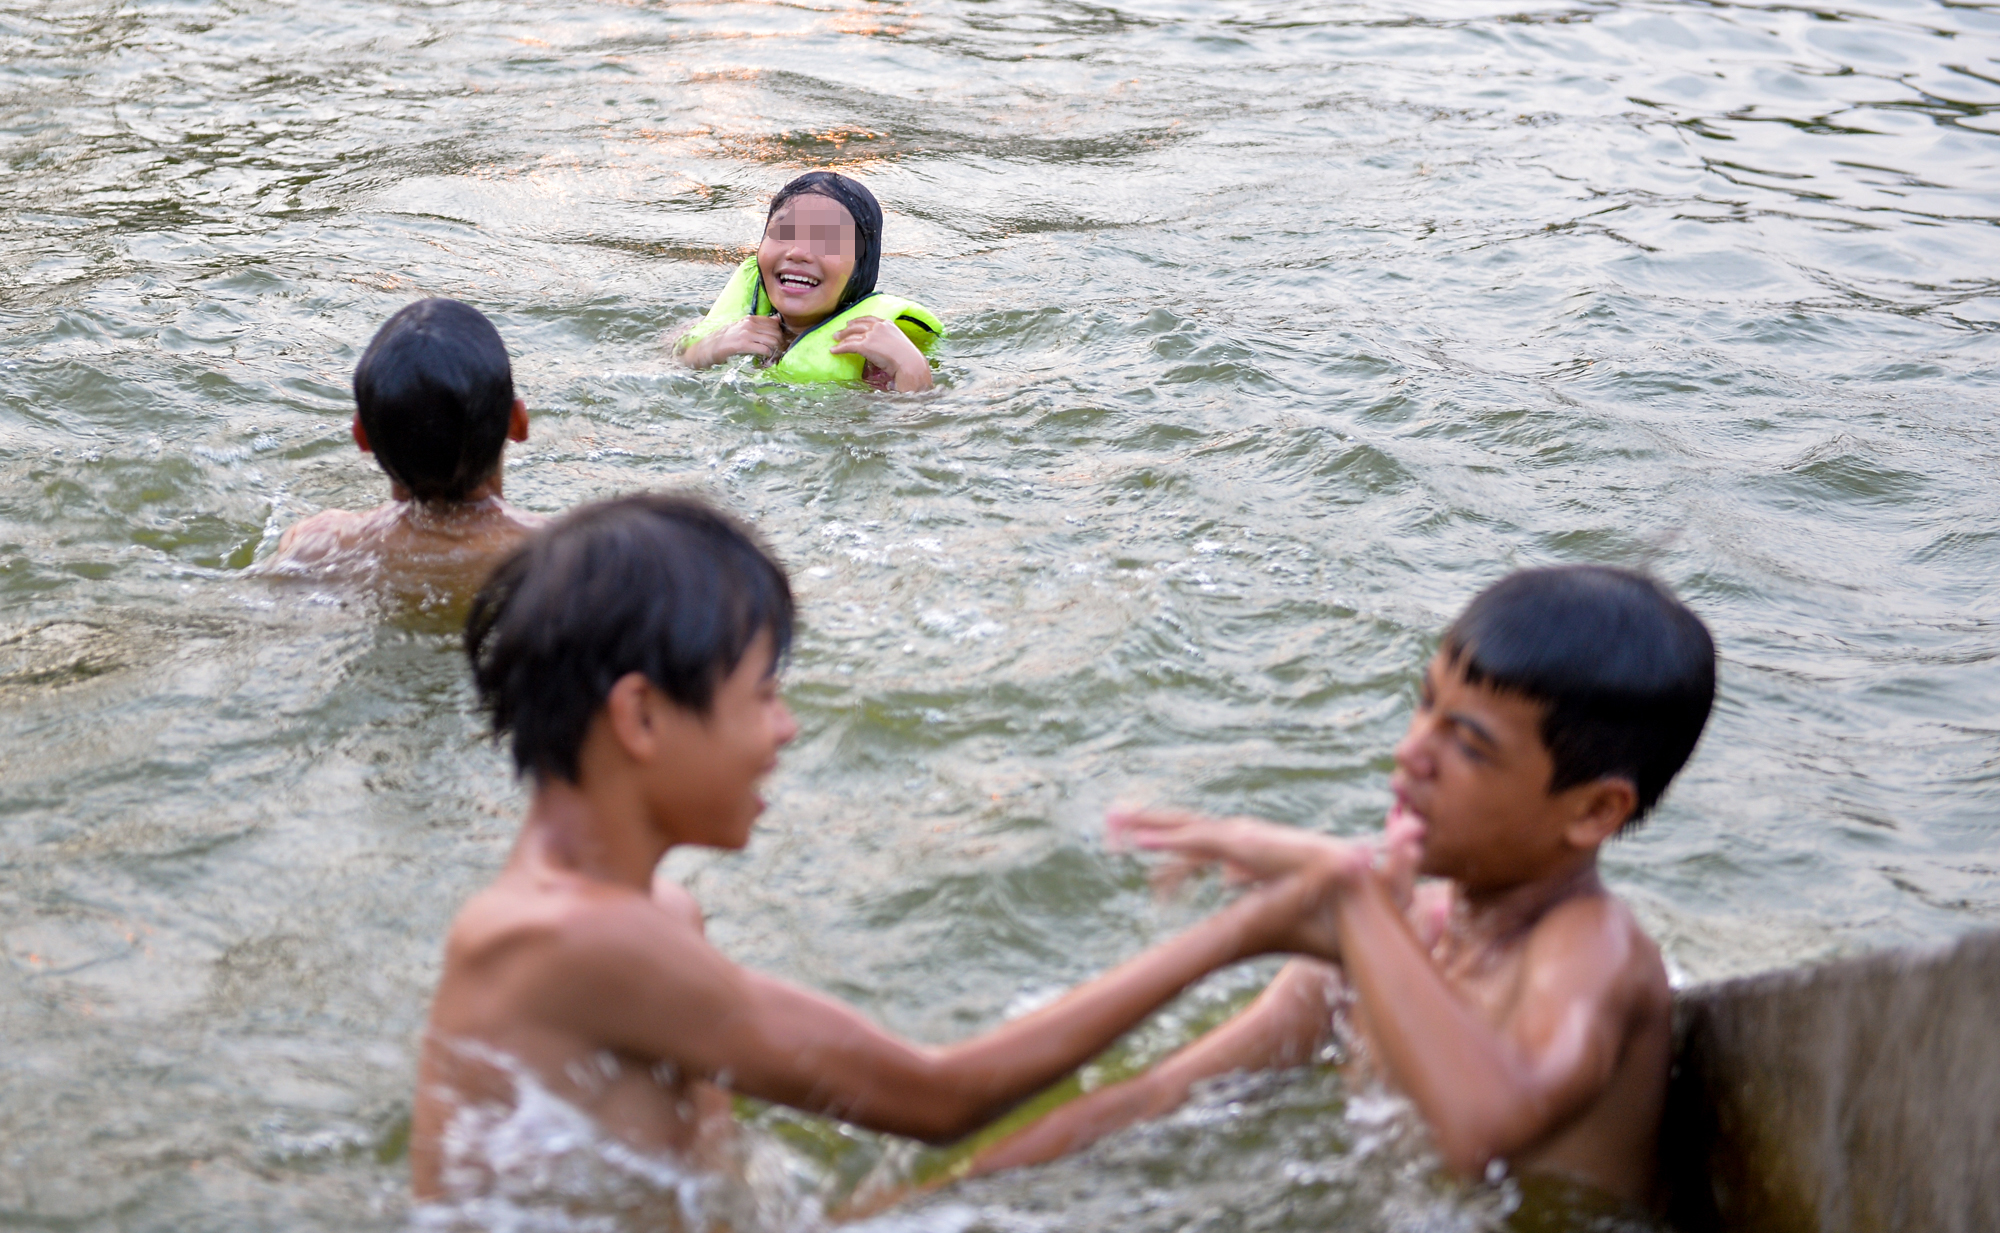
column 1430, row 865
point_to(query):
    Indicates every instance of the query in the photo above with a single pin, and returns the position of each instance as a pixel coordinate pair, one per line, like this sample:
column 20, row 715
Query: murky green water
column 1278, row 329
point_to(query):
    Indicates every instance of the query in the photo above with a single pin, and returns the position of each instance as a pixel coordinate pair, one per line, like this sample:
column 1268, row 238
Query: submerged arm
column 1285, row 1026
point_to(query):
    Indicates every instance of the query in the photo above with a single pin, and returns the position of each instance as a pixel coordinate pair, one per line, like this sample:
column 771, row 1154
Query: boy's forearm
column 999, row 1069
column 1463, row 1077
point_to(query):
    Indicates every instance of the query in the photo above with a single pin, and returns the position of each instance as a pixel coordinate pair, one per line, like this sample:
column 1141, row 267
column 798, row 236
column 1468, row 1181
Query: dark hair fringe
column 1625, row 672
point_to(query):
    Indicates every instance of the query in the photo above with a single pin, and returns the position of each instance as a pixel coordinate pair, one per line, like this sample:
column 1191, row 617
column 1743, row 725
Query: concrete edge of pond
column 1853, row 1096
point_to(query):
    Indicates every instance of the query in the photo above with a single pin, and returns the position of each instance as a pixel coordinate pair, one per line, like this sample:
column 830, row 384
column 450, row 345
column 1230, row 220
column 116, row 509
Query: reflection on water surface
column 1277, row 329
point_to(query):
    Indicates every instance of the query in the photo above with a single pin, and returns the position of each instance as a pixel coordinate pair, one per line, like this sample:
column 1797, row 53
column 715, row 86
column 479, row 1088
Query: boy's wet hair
column 435, row 392
column 1624, row 671
column 655, row 583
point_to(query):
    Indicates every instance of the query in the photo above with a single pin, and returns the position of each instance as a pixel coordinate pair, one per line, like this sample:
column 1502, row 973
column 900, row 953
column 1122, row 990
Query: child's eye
column 786, row 231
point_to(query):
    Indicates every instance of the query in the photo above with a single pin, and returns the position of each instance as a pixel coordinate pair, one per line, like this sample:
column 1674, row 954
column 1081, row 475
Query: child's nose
column 1412, row 753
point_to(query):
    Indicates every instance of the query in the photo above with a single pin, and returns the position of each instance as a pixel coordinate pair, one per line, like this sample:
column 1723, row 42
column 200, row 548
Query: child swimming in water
column 1516, row 1002
column 434, row 404
column 632, row 651
column 806, row 306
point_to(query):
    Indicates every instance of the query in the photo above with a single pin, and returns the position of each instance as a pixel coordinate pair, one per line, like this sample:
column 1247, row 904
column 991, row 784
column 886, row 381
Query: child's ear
column 517, row 423
column 361, row 435
column 627, row 709
column 1606, row 806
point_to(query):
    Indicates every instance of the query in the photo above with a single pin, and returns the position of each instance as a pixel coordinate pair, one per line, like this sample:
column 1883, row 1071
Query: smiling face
column 705, row 775
column 806, row 257
column 1473, row 770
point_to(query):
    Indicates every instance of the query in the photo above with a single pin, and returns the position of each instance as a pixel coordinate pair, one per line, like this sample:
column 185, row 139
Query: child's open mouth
column 1405, row 814
column 797, row 282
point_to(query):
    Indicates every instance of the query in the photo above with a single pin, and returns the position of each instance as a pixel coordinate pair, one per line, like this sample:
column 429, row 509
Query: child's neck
column 483, row 501
column 1496, row 916
column 601, row 833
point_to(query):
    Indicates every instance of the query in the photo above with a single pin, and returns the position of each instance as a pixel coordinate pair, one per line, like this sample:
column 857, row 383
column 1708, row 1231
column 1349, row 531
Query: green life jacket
column 811, row 357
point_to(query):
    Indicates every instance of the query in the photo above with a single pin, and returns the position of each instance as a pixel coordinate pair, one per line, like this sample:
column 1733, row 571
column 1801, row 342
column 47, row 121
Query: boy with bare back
column 434, row 403
column 1517, row 1003
column 631, row 651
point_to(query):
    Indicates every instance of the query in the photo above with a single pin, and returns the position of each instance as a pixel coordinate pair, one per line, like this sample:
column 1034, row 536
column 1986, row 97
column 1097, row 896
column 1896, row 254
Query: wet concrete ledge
column 1857, row 1096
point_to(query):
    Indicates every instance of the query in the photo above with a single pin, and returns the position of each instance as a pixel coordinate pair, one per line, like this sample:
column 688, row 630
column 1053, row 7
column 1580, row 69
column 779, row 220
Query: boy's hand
column 759, row 336
column 1399, row 851
column 1309, row 871
column 1249, row 849
column 888, row 348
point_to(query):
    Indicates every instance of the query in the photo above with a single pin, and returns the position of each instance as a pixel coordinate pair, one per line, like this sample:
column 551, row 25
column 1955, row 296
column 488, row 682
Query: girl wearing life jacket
column 806, row 303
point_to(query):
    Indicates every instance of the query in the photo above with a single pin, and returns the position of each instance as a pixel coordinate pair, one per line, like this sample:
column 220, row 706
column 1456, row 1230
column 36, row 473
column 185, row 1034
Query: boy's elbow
column 946, row 1122
column 943, row 1109
column 1471, row 1141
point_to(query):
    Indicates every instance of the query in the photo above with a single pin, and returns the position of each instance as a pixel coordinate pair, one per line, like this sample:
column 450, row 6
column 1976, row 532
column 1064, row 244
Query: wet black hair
column 867, row 215
column 435, row 391
column 1624, row 671
column 662, row 584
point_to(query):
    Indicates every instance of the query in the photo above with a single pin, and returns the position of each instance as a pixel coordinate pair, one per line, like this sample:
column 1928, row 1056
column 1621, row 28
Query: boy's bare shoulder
column 404, row 548
column 591, row 964
column 560, row 946
column 339, row 542
column 1593, row 939
column 568, row 920
column 320, row 536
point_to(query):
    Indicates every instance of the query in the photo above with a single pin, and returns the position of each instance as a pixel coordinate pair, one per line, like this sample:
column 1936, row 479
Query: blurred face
column 1473, row 770
column 806, row 258
column 712, row 764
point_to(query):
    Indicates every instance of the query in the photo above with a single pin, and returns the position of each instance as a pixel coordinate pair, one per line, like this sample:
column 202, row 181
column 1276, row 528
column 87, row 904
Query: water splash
column 542, row 1165
column 1292, row 1149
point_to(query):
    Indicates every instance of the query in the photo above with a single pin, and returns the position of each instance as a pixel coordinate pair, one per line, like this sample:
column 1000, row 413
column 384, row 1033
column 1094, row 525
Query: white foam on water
column 542, row 1165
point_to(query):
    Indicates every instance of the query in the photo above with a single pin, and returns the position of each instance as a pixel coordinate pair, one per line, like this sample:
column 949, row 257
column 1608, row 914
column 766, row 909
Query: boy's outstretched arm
column 1488, row 1090
column 1284, row 1027
column 633, row 980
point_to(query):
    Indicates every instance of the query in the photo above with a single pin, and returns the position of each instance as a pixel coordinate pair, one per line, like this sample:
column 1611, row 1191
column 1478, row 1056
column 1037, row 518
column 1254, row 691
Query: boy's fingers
column 1402, row 842
column 1139, row 825
column 1190, row 834
column 1234, row 874
column 1170, row 876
